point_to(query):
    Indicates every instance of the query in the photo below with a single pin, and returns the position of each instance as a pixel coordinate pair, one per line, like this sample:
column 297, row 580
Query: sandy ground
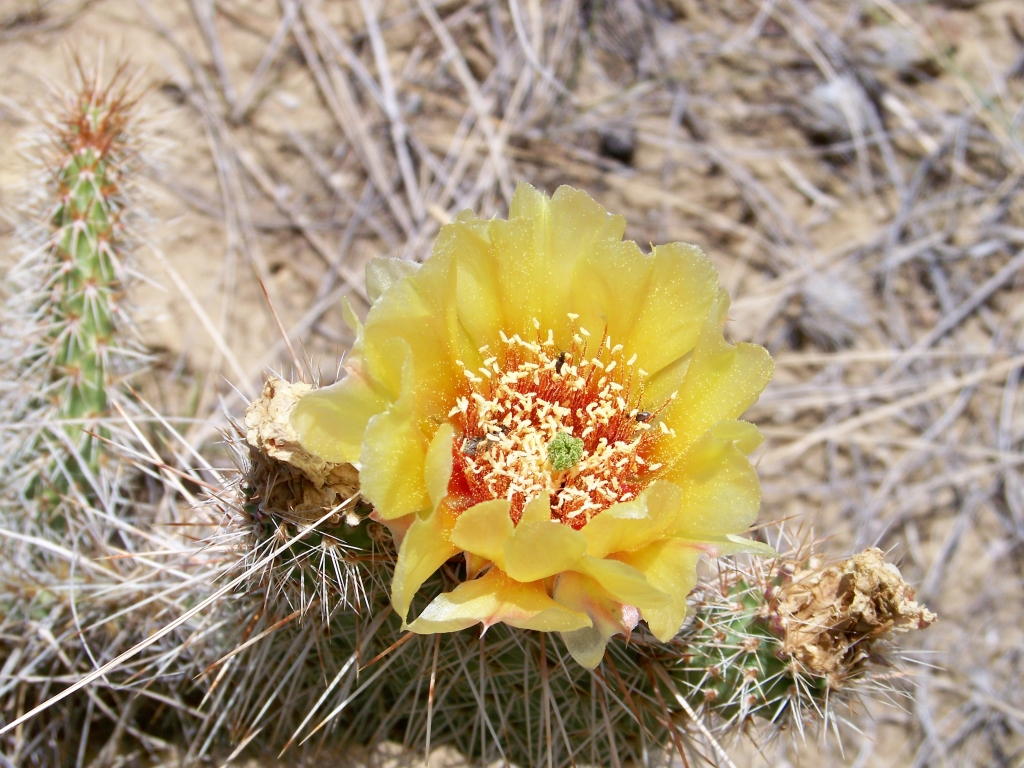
column 853, row 169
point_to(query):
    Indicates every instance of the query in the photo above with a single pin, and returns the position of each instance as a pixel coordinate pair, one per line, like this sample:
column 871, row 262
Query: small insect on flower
column 492, row 405
column 471, row 446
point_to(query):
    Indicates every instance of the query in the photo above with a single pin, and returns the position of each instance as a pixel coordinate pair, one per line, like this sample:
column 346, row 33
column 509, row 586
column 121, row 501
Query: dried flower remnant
column 559, row 408
column 269, row 432
column 832, row 617
column 286, row 493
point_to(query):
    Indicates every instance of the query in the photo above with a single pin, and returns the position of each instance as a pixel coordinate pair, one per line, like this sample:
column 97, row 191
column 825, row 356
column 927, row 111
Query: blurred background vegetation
column 853, row 168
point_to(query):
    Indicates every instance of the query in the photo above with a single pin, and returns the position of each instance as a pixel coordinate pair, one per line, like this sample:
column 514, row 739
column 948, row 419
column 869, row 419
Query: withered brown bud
column 830, row 618
column 289, row 480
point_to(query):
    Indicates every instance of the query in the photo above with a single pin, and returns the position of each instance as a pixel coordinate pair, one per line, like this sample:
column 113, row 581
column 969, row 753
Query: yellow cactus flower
column 558, row 407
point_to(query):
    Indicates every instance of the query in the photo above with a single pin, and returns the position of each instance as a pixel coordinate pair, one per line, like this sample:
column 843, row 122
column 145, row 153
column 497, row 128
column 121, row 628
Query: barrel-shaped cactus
column 770, row 643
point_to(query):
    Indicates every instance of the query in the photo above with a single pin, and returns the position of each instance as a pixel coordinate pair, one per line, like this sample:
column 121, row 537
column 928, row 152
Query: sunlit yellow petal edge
column 468, row 369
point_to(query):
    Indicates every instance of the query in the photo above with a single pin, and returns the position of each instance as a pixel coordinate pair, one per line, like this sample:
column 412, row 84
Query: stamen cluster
column 518, row 403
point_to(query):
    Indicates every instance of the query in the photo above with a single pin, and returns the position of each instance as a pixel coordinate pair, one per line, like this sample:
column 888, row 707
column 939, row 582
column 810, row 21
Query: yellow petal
column 541, row 549
column 522, row 274
column 392, row 461
column 740, row 545
column 494, row 598
column 418, row 314
column 533, row 279
column 658, row 389
column 497, row 274
column 586, row 646
column 425, row 548
column 578, row 222
column 682, row 288
column 622, row 581
column 437, row 466
column 656, row 305
column 669, row 565
column 478, row 301
column 537, row 510
column 731, row 544
column 526, row 270
column 383, row 273
column 330, row 421
column 721, row 382
column 348, row 314
column 582, row 594
column 475, row 565
column 721, row 493
column 531, row 204
column 574, row 227
column 742, row 434
column 483, row 530
column 632, row 524
column 610, row 286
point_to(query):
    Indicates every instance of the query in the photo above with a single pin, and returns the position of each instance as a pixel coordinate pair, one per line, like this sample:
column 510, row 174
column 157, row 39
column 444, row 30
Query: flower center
column 537, row 420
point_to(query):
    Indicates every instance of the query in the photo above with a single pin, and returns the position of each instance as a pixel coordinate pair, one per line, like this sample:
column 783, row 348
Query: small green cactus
column 69, row 343
column 87, row 249
column 87, row 286
column 734, row 664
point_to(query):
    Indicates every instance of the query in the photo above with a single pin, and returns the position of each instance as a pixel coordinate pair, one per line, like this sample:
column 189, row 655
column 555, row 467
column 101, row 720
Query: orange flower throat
column 520, row 399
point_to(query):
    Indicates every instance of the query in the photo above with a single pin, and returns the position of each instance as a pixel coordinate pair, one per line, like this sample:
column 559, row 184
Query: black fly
column 560, row 362
column 643, row 416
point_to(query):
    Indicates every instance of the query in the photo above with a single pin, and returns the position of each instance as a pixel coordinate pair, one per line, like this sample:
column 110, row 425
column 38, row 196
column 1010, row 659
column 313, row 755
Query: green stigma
column 565, row 451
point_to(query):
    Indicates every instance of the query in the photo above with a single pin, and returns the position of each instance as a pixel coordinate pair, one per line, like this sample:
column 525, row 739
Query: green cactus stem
column 770, row 643
column 67, row 345
column 87, row 283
